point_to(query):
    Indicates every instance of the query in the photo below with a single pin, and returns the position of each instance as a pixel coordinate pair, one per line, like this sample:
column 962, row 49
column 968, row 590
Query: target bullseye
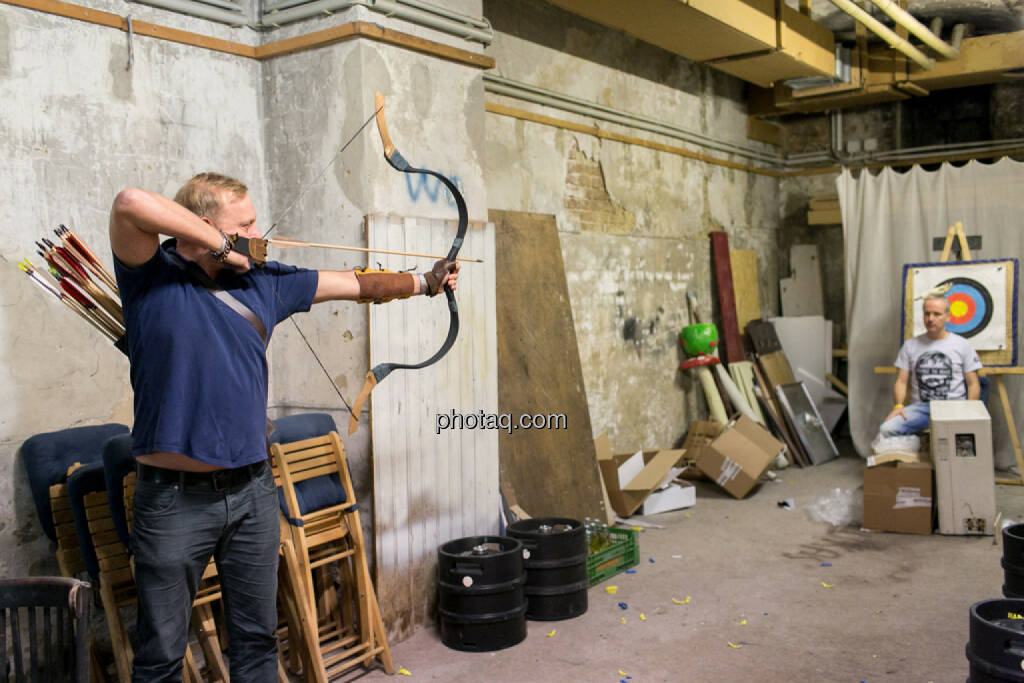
column 970, row 306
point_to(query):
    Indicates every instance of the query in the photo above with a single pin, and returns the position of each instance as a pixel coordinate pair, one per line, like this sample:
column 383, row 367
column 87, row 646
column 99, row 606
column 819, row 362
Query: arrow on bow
column 377, row 374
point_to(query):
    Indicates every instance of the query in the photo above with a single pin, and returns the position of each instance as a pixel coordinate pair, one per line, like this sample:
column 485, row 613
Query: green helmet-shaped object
column 700, row 339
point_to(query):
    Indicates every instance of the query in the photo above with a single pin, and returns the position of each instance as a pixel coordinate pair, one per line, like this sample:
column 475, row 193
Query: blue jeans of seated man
column 918, row 418
column 175, row 532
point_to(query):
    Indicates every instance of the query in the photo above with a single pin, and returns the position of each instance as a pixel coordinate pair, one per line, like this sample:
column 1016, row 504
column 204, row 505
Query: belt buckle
column 220, row 480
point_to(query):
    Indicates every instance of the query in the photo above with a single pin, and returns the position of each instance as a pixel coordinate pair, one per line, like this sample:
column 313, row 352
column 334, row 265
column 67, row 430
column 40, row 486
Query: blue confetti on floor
column 826, row 564
column 623, row 605
column 631, row 571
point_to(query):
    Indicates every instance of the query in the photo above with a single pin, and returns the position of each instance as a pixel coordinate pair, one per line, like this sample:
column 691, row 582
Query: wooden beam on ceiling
column 982, row 60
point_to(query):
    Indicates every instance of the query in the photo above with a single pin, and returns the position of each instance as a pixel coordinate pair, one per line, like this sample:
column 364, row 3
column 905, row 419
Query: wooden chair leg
column 190, row 671
column 305, row 614
column 206, row 633
column 123, row 654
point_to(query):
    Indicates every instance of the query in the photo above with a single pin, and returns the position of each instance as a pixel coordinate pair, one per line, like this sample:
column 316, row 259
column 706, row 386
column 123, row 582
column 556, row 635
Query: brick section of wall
column 587, row 203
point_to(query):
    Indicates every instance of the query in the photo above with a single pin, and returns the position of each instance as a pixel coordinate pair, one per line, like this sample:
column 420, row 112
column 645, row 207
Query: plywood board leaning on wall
column 744, row 283
column 553, row 471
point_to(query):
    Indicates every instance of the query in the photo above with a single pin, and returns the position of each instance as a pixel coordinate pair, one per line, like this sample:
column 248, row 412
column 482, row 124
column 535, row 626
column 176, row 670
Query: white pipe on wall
column 907, row 21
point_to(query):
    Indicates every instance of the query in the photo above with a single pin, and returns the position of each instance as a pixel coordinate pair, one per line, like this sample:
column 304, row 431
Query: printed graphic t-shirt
column 937, row 367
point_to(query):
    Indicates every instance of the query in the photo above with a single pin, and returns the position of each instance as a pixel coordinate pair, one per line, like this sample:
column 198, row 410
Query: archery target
column 982, row 299
column 970, row 306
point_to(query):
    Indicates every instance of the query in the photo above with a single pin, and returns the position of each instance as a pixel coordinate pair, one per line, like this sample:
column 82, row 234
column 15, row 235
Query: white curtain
column 890, row 219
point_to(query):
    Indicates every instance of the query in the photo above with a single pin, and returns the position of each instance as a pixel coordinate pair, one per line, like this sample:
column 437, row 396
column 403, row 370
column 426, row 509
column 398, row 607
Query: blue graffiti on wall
column 417, row 184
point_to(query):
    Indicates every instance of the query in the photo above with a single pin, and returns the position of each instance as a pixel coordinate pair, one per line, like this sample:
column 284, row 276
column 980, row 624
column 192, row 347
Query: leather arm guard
column 380, row 286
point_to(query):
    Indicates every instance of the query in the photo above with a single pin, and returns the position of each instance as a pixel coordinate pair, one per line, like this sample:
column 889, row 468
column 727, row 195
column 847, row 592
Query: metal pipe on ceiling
column 549, row 98
column 907, row 21
column 885, row 33
column 198, row 9
column 422, row 13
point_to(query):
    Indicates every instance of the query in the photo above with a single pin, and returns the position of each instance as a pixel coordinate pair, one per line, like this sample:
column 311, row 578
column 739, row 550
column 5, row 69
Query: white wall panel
column 430, row 488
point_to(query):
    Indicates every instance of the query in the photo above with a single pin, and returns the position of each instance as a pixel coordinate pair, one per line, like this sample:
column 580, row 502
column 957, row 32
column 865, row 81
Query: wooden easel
column 956, row 232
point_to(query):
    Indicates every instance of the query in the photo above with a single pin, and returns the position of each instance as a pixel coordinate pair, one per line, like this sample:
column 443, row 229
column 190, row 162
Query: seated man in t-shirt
column 939, row 366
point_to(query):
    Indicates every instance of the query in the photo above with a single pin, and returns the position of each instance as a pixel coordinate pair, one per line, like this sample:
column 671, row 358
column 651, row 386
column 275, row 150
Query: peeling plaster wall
column 75, row 128
column 633, row 222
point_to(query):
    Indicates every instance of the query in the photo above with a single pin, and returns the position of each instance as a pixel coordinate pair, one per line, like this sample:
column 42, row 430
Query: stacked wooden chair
column 320, row 530
column 47, row 458
column 69, row 473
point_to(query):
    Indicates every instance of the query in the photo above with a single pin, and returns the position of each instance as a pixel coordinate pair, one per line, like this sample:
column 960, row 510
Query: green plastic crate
column 616, row 558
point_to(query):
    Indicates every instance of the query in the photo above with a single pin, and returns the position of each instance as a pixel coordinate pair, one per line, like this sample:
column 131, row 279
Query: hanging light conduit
column 923, row 33
column 885, row 33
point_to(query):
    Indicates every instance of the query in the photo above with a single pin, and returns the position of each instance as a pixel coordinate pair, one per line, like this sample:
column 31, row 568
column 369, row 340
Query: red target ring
column 961, row 308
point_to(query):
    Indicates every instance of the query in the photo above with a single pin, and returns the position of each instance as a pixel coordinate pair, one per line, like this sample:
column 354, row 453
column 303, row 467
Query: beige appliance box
column 961, row 443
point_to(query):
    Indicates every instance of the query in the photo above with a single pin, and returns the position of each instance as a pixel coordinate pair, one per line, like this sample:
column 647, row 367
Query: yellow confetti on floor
column 637, row 528
column 688, row 515
column 553, row 631
column 405, row 672
column 826, row 585
column 623, row 673
column 874, row 656
column 623, row 620
column 681, row 602
column 610, row 590
column 734, row 645
column 743, row 623
column 643, row 617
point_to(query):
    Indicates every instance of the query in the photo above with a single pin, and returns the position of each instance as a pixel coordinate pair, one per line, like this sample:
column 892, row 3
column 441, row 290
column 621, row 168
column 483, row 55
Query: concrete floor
column 890, row 607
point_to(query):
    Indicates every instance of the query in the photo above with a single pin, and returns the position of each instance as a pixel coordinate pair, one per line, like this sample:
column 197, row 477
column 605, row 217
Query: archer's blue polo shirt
column 198, row 368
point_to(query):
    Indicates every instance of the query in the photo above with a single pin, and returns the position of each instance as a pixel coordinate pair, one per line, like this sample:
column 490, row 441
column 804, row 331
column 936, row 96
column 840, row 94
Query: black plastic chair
column 53, row 614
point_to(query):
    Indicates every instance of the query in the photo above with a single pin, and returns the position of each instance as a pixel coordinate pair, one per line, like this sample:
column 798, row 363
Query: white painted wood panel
column 430, row 488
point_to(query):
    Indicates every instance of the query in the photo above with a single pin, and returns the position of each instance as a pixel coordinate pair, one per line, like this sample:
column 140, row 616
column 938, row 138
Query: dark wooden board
column 732, row 343
column 763, row 337
column 553, row 472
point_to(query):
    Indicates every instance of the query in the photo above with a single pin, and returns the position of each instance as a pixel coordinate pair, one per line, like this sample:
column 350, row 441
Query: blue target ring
column 970, row 306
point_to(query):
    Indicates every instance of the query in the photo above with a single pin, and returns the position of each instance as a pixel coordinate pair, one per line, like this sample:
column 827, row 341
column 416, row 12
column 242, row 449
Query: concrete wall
column 633, row 222
column 76, row 127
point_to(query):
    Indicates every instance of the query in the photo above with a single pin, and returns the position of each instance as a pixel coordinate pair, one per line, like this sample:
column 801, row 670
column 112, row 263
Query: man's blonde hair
column 936, row 297
column 205, row 194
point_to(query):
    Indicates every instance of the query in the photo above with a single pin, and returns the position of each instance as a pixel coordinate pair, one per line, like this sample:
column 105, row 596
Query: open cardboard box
column 736, row 458
column 631, row 479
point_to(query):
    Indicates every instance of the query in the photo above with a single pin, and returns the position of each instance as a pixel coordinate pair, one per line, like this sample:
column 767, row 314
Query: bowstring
column 281, row 216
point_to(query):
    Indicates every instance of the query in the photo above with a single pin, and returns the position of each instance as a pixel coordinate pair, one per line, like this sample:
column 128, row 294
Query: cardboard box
column 677, row 495
column 961, row 446
column 630, row 478
column 898, row 495
column 737, row 457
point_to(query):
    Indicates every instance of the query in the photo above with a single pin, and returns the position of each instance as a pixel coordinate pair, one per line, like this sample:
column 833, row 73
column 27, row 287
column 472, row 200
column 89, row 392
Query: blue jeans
column 918, row 419
column 175, row 532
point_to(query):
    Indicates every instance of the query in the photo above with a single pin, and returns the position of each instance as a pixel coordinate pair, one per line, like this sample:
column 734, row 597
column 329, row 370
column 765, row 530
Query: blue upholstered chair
column 48, row 456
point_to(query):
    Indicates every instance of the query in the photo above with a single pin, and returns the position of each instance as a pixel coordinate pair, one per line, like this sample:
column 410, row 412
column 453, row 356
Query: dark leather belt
column 215, row 480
